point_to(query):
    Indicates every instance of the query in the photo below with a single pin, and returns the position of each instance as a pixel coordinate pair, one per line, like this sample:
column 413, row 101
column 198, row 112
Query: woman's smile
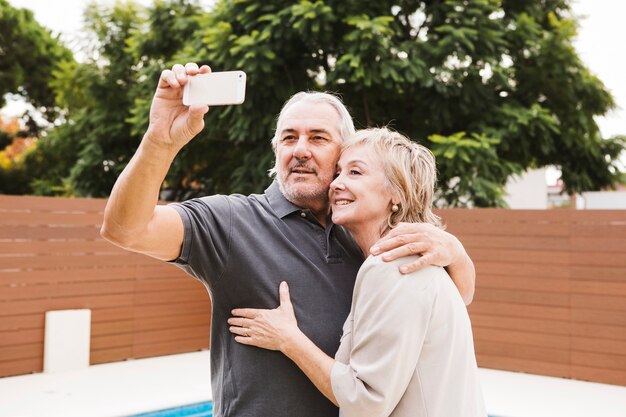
column 361, row 201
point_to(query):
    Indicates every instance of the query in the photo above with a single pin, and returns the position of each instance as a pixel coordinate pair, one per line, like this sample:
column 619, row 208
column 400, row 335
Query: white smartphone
column 215, row 88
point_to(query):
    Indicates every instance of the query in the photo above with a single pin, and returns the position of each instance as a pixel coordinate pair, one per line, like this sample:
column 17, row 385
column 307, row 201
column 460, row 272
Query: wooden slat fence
column 550, row 299
column 551, row 290
column 52, row 258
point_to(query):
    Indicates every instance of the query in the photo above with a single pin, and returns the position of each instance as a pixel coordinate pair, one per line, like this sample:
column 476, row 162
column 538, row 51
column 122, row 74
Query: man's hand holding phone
column 182, row 98
column 172, row 124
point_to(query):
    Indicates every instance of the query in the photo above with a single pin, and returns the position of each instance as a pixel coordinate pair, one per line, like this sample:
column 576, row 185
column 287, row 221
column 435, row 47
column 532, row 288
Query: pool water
column 204, row 409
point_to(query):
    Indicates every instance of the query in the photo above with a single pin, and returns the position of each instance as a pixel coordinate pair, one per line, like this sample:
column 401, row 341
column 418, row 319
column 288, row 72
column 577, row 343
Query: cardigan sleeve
column 391, row 319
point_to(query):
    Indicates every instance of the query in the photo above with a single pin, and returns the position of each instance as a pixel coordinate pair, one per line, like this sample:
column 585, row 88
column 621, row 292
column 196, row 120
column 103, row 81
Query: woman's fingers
column 243, row 335
column 242, row 324
column 239, row 321
column 244, row 340
column 240, row 327
column 249, row 313
column 243, row 320
column 240, row 331
column 264, row 328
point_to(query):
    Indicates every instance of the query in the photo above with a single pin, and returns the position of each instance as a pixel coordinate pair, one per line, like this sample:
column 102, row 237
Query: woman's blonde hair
column 410, row 173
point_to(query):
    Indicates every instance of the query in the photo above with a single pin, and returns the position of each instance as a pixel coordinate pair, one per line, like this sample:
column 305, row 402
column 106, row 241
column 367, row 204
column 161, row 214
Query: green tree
column 28, row 55
column 170, row 25
column 504, row 72
column 492, row 86
column 89, row 150
column 130, row 47
column 5, row 139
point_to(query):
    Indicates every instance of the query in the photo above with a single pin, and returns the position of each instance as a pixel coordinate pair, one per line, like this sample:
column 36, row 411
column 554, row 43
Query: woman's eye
column 355, row 172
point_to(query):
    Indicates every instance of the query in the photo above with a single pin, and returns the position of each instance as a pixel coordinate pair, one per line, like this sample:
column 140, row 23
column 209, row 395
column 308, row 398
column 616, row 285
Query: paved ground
column 124, row 388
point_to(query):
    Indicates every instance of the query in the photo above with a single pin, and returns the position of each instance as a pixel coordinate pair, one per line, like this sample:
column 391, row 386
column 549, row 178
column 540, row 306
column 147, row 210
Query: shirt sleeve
column 207, row 226
column 391, row 318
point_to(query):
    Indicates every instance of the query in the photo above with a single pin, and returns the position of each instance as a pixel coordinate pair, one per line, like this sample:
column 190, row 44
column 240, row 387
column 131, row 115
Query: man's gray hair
column 346, row 125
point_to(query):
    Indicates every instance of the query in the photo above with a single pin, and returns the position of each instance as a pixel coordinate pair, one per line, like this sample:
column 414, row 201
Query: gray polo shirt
column 241, row 248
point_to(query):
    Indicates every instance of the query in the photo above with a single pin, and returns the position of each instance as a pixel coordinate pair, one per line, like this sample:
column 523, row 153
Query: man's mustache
column 302, row 166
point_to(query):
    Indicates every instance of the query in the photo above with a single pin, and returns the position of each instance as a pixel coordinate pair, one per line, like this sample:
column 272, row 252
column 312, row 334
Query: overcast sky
column 602, row 29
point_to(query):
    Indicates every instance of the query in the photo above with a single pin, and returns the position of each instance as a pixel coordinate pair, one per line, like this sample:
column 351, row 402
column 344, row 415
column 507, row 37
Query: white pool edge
column 139, row 386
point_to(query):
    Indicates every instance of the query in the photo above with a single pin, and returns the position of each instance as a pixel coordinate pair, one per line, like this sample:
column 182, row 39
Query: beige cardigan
column 407, row 347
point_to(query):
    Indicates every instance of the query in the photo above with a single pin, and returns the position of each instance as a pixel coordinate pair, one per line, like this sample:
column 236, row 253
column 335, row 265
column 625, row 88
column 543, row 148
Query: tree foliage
column 492, row 86
column 131, row 46
column 14, row 145
column 28, row 55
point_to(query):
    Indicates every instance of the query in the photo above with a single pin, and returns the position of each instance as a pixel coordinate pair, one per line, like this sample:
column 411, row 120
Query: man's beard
column 304, row 195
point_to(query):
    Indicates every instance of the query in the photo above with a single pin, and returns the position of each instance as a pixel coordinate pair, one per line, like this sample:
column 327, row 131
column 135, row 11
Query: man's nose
column 301, row 150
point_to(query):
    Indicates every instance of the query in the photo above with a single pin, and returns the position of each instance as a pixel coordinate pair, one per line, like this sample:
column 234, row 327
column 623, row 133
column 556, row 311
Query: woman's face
column 358, row 195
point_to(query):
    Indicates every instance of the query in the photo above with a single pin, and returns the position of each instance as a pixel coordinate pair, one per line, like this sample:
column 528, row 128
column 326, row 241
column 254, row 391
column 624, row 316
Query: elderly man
column 241, row 247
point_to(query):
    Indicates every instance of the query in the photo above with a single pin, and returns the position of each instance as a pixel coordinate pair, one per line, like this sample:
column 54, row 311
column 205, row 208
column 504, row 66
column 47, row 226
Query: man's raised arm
column 132, row 218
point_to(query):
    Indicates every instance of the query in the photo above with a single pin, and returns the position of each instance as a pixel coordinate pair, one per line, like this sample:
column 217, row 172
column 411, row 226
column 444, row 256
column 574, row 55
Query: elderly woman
column 407, row 346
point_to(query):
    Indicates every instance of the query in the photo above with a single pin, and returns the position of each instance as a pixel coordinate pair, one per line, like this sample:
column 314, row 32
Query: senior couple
column 328, row 290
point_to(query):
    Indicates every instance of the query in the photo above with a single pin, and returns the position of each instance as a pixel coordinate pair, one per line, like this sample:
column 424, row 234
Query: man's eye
column 319, row 138
column 288, row 138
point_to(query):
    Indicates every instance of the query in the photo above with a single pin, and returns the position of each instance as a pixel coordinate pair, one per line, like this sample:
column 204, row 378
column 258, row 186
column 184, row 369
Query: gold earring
column 395, row 208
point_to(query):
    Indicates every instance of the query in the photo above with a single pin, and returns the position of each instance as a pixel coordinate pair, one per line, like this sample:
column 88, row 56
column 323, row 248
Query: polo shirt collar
column 282, row 207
